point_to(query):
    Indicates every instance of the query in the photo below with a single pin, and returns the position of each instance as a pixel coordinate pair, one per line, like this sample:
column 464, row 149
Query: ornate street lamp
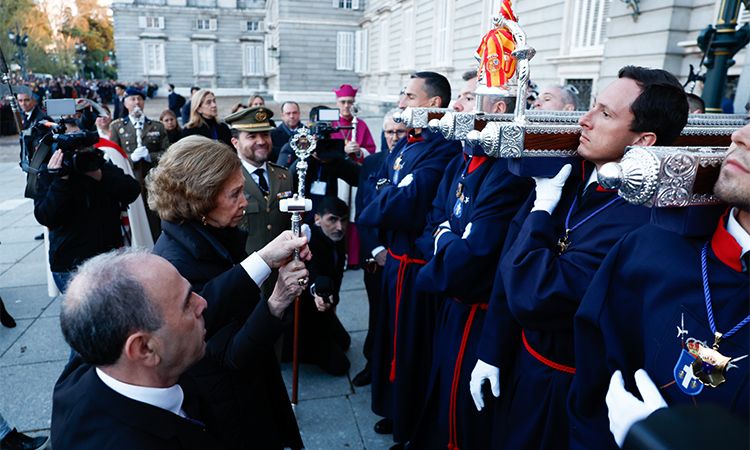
column 21, row 41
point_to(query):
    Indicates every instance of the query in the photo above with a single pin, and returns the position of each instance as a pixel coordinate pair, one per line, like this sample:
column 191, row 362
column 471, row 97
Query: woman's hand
column 292, row 281
column 280, row 250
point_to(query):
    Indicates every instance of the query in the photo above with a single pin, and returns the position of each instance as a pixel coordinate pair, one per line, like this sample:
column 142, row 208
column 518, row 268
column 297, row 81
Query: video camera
column 327, row 149
column 79, row 155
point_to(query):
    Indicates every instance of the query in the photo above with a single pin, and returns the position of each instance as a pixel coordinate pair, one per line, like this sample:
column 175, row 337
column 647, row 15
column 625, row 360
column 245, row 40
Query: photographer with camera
column 322, row 338
column 79, row 198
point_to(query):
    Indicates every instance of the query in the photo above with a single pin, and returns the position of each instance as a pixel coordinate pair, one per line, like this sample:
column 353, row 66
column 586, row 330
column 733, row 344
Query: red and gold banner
column 496, row 65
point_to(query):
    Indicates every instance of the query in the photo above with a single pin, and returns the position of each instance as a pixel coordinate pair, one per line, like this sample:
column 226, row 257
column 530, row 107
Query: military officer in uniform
column 265, row 182
column 144, row 140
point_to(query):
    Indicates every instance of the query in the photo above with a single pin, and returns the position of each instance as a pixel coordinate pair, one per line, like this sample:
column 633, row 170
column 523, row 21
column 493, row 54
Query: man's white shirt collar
column 251, row 168
column 169, row 399
column 593, row 178
column 738, row 233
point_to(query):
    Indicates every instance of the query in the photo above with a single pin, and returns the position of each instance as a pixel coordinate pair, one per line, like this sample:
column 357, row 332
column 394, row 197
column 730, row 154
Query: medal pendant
column 459, row 190
column 397, row 165
column 563, row 243
column 710, row 365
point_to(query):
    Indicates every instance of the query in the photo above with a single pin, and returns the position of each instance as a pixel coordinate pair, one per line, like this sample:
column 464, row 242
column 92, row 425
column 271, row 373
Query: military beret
column 134, row 91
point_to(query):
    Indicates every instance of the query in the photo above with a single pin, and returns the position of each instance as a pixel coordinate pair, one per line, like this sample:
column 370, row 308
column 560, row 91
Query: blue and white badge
column 458, row 208
column 683, row 374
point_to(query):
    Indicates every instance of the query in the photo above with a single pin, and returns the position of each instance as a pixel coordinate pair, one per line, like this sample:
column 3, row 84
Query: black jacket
column 327, row 264
column 328, row 173
column 368, row 236
column 88, row 415
column 175, row 102
column 280, row 136
column 82, row 214
column 239, row 374
column 218, row 131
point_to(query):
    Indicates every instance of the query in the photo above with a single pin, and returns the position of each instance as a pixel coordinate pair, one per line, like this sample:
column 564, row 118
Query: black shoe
column 5, row 318
column 363, row 378
column 39, row 237
column 397, row 447
column 384, row 426
column 19, row 441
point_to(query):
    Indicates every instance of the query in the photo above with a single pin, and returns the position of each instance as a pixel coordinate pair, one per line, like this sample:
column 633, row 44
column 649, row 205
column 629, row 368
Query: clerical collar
column 250, row 167
column 730, row 241
column 169, row 399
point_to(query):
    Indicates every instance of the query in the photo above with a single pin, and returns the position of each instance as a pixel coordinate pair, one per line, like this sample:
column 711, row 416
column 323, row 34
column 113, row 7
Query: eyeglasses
column 399, row 133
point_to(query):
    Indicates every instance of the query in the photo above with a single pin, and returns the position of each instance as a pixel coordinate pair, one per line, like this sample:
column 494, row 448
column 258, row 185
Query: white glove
column 549, row 190
column 140, row 153
column 625, row 409
column 443, row 228
column 483, row 371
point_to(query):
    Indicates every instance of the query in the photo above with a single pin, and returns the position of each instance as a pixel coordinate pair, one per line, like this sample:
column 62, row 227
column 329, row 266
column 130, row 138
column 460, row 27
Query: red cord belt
column 403, row 261
column 545, row 361
column 452, row 427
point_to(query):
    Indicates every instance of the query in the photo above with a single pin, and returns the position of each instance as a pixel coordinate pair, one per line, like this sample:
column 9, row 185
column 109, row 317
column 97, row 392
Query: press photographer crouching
column 80, row 197
column 323, row 340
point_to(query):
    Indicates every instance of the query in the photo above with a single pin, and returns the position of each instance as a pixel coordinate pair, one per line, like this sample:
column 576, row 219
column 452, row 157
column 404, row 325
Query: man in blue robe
column 476, row 201
column 406, row 186
column 554, row 246
column 657, row 302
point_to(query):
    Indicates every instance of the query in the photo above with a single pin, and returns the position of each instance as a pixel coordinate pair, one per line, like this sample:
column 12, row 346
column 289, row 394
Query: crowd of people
column 505, row 312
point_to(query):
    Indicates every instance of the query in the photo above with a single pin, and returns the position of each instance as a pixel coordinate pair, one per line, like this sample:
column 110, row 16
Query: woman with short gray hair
column 198, row 191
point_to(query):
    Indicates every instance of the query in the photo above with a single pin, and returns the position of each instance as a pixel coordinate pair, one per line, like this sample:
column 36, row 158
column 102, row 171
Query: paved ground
column 332, row 414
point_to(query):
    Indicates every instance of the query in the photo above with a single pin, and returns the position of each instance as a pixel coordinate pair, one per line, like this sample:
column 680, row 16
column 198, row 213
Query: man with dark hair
column 117, row 102
column 136, row 340
column 265, row 182
column 637, row 315
column 137, row 326
column 404, row 188
column 322, row 338
column 174, row 101
column 474, row 205
column 144, row 140
column 466, row 98
column 554, row 245
column 185, row 112
column 429, row 88
column 696, row 105
column 290, row 121
column 371, row 246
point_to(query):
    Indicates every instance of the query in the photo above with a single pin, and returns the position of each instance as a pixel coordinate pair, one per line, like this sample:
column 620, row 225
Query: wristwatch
column 382, row 182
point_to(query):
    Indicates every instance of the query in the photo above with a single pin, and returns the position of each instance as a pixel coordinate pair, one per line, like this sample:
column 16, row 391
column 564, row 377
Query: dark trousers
column 373, row 285
column 323, row 340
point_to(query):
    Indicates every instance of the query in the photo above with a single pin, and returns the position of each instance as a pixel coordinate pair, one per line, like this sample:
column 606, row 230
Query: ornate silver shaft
column 665, row 176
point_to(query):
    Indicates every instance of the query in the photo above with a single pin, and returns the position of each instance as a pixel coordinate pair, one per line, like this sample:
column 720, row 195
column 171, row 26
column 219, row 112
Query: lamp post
column 720, row 44
column 81, row 51
column 21, row 41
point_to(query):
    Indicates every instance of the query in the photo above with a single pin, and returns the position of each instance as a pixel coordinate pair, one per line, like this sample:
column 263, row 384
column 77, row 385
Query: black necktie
column 262, row 183
column 746, row 259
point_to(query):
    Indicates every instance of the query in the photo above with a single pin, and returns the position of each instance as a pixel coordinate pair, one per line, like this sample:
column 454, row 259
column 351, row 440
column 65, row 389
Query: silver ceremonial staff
column 303, row 143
